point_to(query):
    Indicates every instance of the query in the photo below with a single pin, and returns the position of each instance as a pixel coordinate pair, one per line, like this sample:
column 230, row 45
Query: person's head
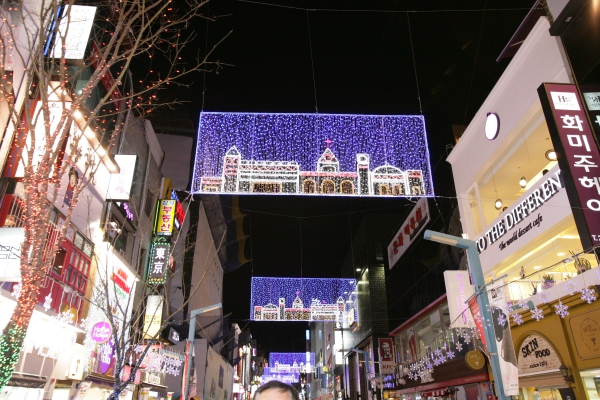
column 385, row 346
column 275, row 390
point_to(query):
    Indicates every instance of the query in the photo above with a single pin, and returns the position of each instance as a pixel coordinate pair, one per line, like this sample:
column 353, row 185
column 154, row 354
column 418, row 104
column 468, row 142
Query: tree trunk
column 14, row 333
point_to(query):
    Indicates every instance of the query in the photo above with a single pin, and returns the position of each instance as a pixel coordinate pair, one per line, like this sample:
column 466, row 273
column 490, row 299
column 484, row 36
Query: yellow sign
column 165, row 217
column 475, row 359
column 586, row 334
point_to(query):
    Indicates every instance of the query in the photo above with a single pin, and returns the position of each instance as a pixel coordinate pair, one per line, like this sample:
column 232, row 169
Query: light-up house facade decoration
column 312, row 154
column 304, row 299
column 291, row 363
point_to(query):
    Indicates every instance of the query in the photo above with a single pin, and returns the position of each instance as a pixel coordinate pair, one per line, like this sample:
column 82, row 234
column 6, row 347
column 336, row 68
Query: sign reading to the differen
column 312, row 154
column 292, row 363
column 304, row 299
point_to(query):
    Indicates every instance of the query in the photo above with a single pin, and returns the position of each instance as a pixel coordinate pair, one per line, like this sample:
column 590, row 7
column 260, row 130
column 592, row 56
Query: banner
column 578, row 155
column 414, row 224
column 312, row 154
column 165, row 217
column 458, row 290
column 506, row 349
column 387, row 362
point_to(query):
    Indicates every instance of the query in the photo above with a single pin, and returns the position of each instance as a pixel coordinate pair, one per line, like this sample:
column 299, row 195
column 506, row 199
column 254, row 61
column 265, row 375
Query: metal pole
column 190, row 343
column 482, row 299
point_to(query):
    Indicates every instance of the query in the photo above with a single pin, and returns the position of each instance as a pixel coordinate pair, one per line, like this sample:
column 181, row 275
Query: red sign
column 108, row 81
column 578, row 156
column 474, row 307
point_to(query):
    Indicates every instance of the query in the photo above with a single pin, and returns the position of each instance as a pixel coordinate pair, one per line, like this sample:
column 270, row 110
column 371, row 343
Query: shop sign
column 586, row 334
column 591, row 96
column 122, row 280
column 119, row 185
column 107, row 352
column 165, row 217
column 475, row 359
column 387, row 364
column 101, row 332
column 10, row 254
column 412, row 226
column 579, row 157
column 153, row 378
column 458, row 290
column 153, row 316
column 504, row 343
column 74, row 28
column 174, row 336
column 77, row 359
column 159, row 261
column 543, row 206
column 537, row 355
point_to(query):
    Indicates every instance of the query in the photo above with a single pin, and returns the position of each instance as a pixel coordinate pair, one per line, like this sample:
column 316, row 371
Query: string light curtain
column 297, row 143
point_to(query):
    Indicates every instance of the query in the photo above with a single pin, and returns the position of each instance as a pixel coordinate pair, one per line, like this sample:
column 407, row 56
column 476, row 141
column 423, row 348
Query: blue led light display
column 312, row 154
column 291, row 362
column 304, row 299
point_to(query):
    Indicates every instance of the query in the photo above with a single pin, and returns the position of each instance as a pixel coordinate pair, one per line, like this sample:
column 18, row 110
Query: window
column 347, row 187
column 327, row 186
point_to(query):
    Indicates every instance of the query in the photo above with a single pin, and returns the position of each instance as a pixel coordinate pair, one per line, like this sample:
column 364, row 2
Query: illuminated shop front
column 516, row 202
column 428, row 339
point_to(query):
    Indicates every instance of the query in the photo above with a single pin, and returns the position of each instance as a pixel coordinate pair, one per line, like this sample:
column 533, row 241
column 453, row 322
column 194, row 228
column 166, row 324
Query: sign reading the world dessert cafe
column 543, row 206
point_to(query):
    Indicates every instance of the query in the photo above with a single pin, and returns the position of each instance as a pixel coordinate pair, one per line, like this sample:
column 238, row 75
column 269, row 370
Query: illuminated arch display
column 291, row 363
column 304, row 299
column 312, row 154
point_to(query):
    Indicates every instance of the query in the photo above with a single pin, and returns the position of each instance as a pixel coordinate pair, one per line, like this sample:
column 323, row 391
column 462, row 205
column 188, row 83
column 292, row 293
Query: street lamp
column 564, row 371
column 190, row 342
column 482, row 299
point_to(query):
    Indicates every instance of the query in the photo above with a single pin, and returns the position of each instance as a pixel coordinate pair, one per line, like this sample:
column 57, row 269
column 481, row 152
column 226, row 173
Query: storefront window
column 591, row 382
column 423, row 333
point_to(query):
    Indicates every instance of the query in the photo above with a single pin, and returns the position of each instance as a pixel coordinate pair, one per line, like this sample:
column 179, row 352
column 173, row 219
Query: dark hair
column 283, row 387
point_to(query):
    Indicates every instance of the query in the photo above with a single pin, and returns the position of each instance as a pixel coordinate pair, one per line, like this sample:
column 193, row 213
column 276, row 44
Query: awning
column 27, row 380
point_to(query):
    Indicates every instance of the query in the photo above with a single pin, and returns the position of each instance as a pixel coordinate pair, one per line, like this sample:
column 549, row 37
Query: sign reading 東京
column 304, row 299
column 312, row 154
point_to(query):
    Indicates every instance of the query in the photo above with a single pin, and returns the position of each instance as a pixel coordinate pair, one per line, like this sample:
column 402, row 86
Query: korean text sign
column 578, row 155
column 414, row 224
column 165, row 217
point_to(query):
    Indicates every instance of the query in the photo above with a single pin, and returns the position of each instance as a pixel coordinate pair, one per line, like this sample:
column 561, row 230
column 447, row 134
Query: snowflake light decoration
column 570, row 287
column 437, row 352
column 65, row 317
column 458, row 346
column 429, row 365
column 48, row 302
column 16, row 291
column 523, row 304
column 561, row 309
column 467, row 339
column 544, row 297
column 450, row 355
column 401, row 381
column 405, row 371
column 588, row 295
column 517, row 318
column 537, row 314
column 442, row 359
column 436, row 362
column 501, row 320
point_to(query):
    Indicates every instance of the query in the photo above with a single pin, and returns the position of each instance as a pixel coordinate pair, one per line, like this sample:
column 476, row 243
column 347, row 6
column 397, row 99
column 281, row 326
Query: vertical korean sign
column 165, row 217
column 159, row 261
column 412, row 226
column 578, row 156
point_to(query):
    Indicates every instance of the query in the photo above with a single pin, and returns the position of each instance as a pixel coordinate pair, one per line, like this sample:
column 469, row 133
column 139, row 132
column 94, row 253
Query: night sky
column 363, row 64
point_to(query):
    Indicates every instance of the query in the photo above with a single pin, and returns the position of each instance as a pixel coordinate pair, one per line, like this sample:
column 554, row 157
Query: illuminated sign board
column 304, row 299
column 312, row 154
column 165, row 216
column 410, row 229
column 179, row 211
column 119, row 185
column 74, row 27
column 10, row 254
column 159, row 261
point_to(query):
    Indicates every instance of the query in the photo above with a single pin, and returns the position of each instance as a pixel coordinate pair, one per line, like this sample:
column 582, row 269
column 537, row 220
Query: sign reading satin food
column 101, row 332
